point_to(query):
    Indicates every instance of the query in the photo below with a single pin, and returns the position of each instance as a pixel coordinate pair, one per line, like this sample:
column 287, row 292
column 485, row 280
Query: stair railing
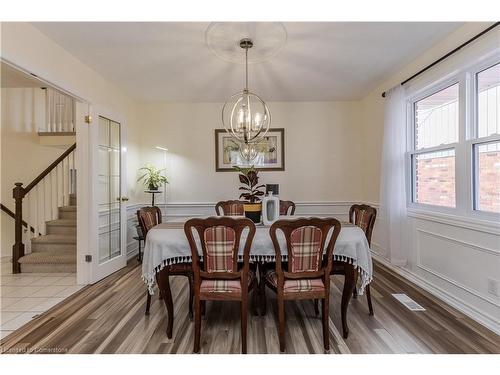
column 59, row 112
column 39, row 201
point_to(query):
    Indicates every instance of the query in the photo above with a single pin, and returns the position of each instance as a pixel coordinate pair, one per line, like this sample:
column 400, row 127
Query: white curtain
column 393, row 218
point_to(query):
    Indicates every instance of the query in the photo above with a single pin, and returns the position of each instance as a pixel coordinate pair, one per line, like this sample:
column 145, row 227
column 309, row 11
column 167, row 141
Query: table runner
column 167, row 244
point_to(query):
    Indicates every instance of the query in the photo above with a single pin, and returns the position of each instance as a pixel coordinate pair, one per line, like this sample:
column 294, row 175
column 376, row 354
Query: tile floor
column 24, row 296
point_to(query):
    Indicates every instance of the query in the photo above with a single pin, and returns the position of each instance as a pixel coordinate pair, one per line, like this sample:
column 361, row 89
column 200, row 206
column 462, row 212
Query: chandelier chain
column 246, row 69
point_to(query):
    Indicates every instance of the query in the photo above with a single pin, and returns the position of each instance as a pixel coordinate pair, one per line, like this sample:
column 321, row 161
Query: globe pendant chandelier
column 245, row 115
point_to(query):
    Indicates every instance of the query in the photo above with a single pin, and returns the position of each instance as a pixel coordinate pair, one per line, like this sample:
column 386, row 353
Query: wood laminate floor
column 108, row 317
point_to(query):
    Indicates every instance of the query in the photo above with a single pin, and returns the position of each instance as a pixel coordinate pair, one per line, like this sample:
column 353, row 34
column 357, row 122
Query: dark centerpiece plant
column 252, row 192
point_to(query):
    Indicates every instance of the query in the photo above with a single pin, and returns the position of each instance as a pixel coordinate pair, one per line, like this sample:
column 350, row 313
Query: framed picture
column 270, row 152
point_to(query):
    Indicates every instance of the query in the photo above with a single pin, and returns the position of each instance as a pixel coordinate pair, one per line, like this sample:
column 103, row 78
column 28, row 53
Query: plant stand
column 153, row 192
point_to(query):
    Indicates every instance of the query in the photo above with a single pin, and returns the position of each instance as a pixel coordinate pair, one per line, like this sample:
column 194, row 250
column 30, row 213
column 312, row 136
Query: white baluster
column 52, row 114
column 47, row 109
column 54, row 195
column 58, row 188
column 73, row 114
column 47, row 196
column 37, row 200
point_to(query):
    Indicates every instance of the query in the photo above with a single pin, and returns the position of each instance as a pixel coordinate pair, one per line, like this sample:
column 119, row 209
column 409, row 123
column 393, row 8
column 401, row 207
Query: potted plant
column 251, row 192
column 153, row 177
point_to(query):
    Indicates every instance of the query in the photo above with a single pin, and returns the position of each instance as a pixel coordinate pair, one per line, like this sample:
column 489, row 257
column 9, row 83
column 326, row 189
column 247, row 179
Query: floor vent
column 408, row 302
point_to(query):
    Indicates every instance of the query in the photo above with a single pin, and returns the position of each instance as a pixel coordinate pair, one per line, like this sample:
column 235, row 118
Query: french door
column 101, row 239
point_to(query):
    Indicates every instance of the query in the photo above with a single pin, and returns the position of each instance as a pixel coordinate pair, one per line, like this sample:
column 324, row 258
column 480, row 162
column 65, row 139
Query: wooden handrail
column 18, row 193
column 12, row 215
column 49, row 169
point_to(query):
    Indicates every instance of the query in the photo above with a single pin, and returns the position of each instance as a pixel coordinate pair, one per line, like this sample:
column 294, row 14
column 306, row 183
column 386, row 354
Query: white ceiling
column 319, row 61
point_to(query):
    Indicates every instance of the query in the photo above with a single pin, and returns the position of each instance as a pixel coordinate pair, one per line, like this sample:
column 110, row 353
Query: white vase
column 270, row 209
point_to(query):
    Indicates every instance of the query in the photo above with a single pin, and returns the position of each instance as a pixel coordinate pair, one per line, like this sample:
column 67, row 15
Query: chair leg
column 369, row 299
column 191, row 295
column 281, row 319
column 355, row 291
column 255, row 298
column 244, row 314
column 166, row 293
column 148, row 302
column 262, row 291
column 326, row 330
column 316, row 307
column 197, row 324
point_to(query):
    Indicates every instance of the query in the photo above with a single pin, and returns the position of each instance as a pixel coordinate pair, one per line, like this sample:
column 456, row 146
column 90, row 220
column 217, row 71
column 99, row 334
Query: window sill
column 473, row 223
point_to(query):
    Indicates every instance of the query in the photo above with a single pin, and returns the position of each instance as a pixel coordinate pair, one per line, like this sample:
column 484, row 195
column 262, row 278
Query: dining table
column 166, row 244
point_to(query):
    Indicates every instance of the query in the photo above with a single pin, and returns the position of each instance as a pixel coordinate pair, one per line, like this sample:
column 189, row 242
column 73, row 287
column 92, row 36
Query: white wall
column 323, row 151
column 452, row 257
column 22, row 158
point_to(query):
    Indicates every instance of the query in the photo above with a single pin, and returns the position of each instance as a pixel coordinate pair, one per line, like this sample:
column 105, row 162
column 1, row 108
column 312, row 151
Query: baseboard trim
column 462, row 306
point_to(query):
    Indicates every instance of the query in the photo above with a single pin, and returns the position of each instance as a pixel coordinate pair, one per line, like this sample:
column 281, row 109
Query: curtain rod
column 448, row 54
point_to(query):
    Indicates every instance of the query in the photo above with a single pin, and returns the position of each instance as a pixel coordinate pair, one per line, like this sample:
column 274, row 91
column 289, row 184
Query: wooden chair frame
column 285, row 206
column 353, row 211
column 287, row 227
column 241, row 273
column 220, row 207
column 181, row 269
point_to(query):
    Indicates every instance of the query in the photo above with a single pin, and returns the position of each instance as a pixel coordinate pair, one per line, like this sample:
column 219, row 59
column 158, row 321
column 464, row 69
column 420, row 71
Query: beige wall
column 322, row 146
column 25, row 46
column 373, row 103
column 23, row 157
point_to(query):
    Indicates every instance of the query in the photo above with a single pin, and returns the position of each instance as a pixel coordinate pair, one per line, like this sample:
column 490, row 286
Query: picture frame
column 270, row 158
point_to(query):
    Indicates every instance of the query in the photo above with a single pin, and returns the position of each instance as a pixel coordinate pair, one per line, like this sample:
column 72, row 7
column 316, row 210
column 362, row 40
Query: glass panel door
column 109, row 189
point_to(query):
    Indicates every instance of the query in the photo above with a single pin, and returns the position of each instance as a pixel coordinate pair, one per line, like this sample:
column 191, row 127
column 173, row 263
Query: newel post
column 18, row 248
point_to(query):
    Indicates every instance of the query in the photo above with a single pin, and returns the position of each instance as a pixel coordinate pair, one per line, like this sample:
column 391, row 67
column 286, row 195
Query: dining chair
column 307, row 273
column 285, row 206
column 363, row 216
column 221, row 277
column 148, row 217
column 230, row 208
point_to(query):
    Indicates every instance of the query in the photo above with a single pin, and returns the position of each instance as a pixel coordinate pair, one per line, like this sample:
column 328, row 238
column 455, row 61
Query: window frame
column 465, row 163
column 411, row 142
column 474, row 140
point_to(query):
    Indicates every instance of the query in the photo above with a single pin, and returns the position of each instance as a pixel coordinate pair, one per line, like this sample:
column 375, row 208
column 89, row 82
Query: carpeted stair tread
column 55, row 239
column 48, row 258
column 67, row 208
column 63, row 222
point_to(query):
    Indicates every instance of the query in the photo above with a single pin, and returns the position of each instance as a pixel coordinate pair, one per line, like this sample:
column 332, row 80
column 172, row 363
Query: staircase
column 56, row 250
column 45, row 219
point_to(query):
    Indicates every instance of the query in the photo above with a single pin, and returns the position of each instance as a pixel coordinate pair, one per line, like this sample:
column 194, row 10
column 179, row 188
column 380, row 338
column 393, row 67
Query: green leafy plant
column 249, row 177
column 153, row 177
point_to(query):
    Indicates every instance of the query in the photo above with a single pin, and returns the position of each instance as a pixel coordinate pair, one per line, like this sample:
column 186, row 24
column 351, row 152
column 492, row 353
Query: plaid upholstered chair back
column 363, row 216
column 305, row 242
column 148, row 217
column 220, row 241
column 230, row 208
column 287, row 208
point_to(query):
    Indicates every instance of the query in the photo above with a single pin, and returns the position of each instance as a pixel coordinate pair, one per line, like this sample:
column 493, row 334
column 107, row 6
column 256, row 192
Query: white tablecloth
column 167, row 244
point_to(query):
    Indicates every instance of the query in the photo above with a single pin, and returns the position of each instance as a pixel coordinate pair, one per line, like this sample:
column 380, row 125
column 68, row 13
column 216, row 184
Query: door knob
column 124, row 199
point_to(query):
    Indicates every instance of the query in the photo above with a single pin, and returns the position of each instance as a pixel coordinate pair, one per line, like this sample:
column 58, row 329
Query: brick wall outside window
column 489, row 181
column 435, row 181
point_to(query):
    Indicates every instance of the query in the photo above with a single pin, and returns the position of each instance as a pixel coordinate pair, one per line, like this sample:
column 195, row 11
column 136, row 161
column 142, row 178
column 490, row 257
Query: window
column 435, row 178
column 487, row 167
column 436, row 119
column 486, row 146
column 436, row 127
column 488, row 101
column 454, row 143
